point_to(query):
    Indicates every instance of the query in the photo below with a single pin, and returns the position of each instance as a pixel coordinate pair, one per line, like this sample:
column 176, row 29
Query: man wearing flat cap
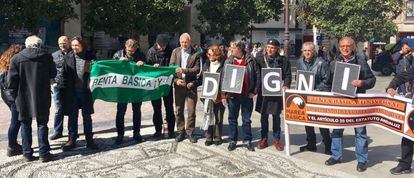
column 159, row 55
column 272, row 105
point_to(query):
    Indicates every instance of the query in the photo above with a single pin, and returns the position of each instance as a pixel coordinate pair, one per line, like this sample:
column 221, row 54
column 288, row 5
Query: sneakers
column 400, row 170
column 232, row 146
column 307, row 148
column 14, row 150
column 262, row 143
column 278, row 145
column 56, row 136
column 46, row 158
column 91, row 145
column 332, row 161
column 361, row 167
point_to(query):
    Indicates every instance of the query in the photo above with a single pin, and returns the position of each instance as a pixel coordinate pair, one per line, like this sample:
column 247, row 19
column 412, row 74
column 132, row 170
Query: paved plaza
column 166, row 158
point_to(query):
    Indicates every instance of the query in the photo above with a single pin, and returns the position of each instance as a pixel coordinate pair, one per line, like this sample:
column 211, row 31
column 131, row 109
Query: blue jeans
column 73, row 118
column 58, row 125
column 42, row 136
column 234, row 104
column 136, row 118
column 14, row 126
column 361, row 144
column 264, row 119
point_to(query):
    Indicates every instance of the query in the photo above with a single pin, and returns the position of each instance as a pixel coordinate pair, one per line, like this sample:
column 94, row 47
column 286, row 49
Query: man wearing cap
column 130, row 53
column 159, row 55
column 273, row 105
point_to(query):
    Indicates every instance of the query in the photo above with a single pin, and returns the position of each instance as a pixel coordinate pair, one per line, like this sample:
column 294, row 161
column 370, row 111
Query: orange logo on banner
column 410, row 122
column 296, row 108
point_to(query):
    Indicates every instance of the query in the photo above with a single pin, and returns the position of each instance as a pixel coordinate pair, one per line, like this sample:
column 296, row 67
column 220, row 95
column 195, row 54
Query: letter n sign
column 210, row 85
column 271, row 81
column 233, row 78
column 343, row 76
column 305, row 80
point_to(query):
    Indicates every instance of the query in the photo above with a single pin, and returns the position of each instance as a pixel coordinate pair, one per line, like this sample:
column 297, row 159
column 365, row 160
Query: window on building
column 410, row 10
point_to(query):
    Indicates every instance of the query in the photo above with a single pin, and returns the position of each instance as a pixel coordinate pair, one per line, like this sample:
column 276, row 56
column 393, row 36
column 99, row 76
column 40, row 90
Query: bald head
column 185, row 41
column 63, row 42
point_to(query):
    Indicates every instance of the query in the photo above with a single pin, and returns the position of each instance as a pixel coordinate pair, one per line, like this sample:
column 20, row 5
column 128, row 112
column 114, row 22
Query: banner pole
column 287, row 139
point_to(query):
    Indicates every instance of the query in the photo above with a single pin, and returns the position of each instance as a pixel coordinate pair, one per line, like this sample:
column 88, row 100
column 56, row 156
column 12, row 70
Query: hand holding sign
column 140, row 63
column 391, row 91
column 179, row 70
column 357, row 83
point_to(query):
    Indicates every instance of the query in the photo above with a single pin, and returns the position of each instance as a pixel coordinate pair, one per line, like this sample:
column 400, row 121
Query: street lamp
column 286, row 35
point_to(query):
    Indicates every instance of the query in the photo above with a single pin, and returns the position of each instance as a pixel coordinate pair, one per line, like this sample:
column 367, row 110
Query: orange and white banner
column 323, row 109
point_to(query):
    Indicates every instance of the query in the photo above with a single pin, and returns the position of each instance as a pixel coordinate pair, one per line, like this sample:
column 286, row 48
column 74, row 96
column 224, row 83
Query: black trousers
column 169, row 111
column 311, row 137
column 406, row 153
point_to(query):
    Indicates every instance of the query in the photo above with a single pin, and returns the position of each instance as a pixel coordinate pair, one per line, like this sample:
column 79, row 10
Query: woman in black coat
column 77, row 94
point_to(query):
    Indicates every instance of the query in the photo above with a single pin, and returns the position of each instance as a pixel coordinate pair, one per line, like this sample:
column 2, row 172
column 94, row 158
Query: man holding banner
column 365, row 81
column 320, row 70
column 273, row 105
column 188, row 61
column 404, row 164
column 159, row 55
column 131, row 53
column 244, row 100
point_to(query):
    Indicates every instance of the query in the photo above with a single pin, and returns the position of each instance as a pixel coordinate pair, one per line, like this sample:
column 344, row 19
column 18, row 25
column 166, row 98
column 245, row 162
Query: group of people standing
column 28, row 74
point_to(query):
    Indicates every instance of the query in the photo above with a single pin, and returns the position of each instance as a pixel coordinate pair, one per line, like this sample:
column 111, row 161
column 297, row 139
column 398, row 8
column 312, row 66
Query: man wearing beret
column 272, row 105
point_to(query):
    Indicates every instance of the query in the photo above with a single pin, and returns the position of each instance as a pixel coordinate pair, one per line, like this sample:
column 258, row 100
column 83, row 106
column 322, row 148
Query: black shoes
column 138, row 138
column 307, row 148
column 361, row 167
column 249, row 146
column 192, row 138
column 332, row 161
column 30, row 158
column 218, row 142
column 119, row 140
column 14, row 150
column 56, row 136
column 180, row 137
column 171, row 135
column 208, row 142
column 158, row 136
column 400, row 170
column 90, row 144
column 46, row 158
column 232, row 146
column 69, row 145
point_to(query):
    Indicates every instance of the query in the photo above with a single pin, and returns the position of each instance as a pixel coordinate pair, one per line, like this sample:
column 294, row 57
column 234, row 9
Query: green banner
column 125, row 82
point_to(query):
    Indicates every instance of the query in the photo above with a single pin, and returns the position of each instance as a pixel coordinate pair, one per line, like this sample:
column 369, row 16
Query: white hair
column 309, row 44
column 186, row 35
column 33, row 42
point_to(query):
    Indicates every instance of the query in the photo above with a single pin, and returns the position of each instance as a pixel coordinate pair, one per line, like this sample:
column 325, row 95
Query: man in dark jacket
column 58, row 58
column 159, row 55
column 310, row 62
column 243, row 101
column 130, row 53
column 365, row 81
column 188, row 61
column 272, row 104
column 404, row 164
column 404, row 61
column 29, row 78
